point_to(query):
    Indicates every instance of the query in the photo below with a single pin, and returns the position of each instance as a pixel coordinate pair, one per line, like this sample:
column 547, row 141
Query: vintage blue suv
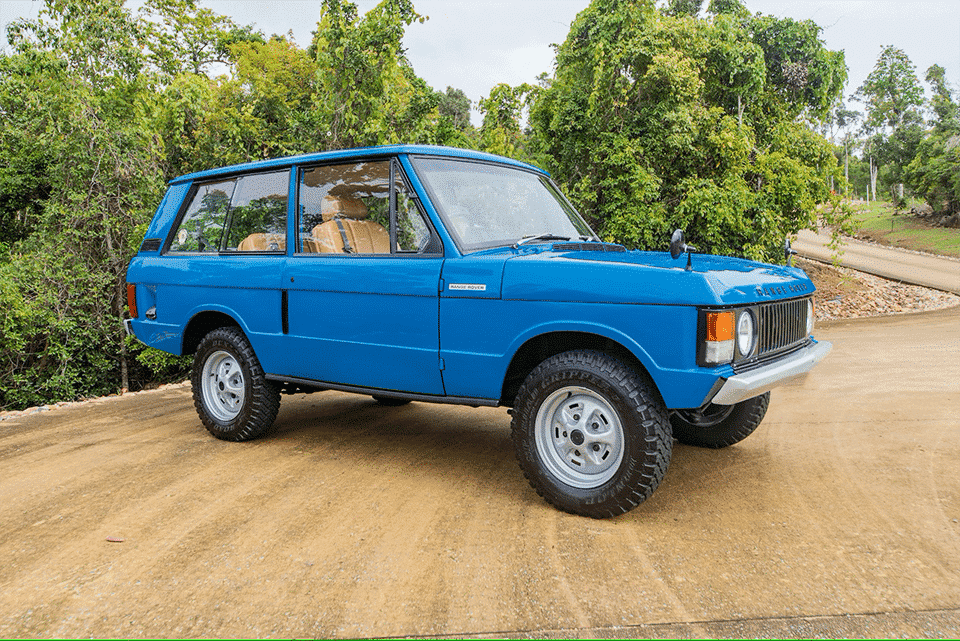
column 416, row 273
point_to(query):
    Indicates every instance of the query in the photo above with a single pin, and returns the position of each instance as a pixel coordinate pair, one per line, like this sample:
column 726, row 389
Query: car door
column 362, row 285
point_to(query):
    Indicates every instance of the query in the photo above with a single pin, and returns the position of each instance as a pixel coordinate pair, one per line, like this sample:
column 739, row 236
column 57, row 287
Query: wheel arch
column 202, row 324
column 542, row 346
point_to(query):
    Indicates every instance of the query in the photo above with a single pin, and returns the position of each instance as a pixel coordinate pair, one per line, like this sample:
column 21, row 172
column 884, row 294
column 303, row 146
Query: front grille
column 781, row 324
column 782, row 329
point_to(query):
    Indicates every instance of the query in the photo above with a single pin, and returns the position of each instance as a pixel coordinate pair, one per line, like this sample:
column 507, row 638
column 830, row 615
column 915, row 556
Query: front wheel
column 591, row 434
column 234, row 399
column 719, row 426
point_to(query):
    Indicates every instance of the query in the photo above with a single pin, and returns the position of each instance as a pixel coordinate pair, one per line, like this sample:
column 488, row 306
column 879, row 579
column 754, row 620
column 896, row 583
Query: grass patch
column 881, row 223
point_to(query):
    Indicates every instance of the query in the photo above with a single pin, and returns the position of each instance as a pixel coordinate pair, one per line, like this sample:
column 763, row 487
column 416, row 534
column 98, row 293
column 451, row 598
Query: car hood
column 611, row 275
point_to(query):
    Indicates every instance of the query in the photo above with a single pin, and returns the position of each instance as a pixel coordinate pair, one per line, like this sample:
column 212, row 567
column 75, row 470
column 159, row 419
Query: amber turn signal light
column 719, row 326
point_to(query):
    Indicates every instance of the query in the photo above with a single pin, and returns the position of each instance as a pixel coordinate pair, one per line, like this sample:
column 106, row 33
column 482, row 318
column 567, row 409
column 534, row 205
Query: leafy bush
column 660, row 119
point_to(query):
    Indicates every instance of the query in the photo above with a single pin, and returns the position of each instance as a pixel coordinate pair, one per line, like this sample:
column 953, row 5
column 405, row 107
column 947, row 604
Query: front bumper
column 740, row 387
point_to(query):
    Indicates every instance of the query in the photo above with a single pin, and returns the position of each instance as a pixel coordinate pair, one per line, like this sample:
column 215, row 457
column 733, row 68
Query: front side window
column 245, row 214
column 489, row 205
column 347, row 209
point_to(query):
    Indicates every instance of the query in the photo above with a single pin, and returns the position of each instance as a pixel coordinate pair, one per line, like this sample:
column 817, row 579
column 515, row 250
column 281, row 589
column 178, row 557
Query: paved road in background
column 839, row 517
column 910, row 267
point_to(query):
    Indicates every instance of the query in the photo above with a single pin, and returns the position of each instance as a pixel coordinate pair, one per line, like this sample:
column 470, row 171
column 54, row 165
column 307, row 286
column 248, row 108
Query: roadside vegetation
column 916, row 227
column 695, row 114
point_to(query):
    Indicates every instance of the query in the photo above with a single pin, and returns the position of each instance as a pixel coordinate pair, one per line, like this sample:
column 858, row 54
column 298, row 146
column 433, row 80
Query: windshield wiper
column 530, row 239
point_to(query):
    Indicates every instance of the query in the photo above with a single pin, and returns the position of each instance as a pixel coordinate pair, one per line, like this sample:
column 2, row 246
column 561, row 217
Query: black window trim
column 235, row 178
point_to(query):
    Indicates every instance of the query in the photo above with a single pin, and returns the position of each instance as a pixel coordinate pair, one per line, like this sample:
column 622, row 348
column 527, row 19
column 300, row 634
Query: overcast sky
column 473, row 45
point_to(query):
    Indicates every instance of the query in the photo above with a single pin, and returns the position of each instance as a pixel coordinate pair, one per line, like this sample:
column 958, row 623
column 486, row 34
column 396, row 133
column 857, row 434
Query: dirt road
column 838, row 517
column 909, row 267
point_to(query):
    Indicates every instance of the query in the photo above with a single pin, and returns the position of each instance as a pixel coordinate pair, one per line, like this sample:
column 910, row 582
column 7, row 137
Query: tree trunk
column 846, row 164
column 124, row 373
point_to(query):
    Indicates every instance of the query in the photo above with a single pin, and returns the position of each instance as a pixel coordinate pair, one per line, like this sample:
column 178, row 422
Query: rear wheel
column 591, row 434
column 719, row 426
column 234, row 399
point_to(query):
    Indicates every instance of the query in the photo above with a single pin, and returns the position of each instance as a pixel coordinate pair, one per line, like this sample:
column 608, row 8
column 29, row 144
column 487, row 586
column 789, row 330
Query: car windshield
column 488, row 205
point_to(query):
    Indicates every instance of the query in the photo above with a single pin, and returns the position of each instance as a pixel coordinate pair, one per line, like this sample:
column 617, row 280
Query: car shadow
column 474, row 446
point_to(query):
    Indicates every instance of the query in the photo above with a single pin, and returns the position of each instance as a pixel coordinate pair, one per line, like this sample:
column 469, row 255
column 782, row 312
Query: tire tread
column 642, row 475
column 263, row 401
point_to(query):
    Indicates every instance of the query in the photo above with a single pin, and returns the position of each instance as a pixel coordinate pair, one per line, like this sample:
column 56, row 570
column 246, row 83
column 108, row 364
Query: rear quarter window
column 245, row 214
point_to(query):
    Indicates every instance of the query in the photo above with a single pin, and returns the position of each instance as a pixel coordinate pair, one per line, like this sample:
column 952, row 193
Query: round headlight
column 745, row 333
column 810, row 317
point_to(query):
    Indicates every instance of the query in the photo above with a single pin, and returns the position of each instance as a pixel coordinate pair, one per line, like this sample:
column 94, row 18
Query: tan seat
column 346, row 230
column 261, row 242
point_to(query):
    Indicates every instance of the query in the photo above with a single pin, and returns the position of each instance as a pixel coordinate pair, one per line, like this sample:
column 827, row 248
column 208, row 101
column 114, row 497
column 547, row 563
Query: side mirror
column 788, row 252
column 678, row 246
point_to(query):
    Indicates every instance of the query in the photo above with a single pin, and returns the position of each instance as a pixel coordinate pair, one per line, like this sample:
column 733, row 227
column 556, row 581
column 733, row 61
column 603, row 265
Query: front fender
column 480, row 339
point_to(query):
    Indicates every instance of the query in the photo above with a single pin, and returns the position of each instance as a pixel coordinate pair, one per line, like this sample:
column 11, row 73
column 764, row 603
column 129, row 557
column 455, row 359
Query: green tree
column 366, row 92
column 24, row 158
column 453, row 126
column 655, row 121
column 945, row 109
column 892, row 98
column 455, row 106
column 934, row 172
column 182, row 37
column 262, row 111
column 683, row 7
column 98, row 39
column 74, row 104
column 502, row 112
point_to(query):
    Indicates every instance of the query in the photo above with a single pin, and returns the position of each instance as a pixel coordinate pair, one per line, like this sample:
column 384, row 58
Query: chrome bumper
column 128, row 325
column 749, row 384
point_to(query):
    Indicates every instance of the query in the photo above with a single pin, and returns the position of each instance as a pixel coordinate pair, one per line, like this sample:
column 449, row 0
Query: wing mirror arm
column 678, row 246
column 788, row 252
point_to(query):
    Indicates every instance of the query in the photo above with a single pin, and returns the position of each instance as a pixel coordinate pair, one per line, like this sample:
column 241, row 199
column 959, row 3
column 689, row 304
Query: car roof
column 363, row 153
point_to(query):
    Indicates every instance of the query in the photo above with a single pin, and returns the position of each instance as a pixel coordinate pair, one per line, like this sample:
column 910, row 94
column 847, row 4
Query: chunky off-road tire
column 234, row 399
column 388, row 401
column 719, row 426
column 591, row 434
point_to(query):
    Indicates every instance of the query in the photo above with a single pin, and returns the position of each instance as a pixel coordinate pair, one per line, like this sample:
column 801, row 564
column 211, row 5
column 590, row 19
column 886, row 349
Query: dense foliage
column 934, row 172
column 100, row 107
column 657, row 116
column 664, row 119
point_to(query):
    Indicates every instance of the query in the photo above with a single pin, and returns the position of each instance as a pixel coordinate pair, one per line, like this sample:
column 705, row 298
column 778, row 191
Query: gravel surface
column 846, row 293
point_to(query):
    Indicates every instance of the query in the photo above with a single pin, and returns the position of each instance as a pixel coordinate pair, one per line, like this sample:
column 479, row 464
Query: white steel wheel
column 222, row 386
column 579, row 437
column 591, row 433
column 233, row 397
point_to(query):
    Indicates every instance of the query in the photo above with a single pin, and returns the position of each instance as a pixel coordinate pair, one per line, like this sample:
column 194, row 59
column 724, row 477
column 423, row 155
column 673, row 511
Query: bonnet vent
column 588, row 247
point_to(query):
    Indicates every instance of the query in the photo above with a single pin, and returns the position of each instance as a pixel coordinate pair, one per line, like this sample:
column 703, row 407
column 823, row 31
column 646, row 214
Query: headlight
column 810, row 316
column 745, row 333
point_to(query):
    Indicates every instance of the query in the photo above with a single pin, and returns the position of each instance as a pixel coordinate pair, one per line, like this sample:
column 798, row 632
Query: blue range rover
column 415, row 273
